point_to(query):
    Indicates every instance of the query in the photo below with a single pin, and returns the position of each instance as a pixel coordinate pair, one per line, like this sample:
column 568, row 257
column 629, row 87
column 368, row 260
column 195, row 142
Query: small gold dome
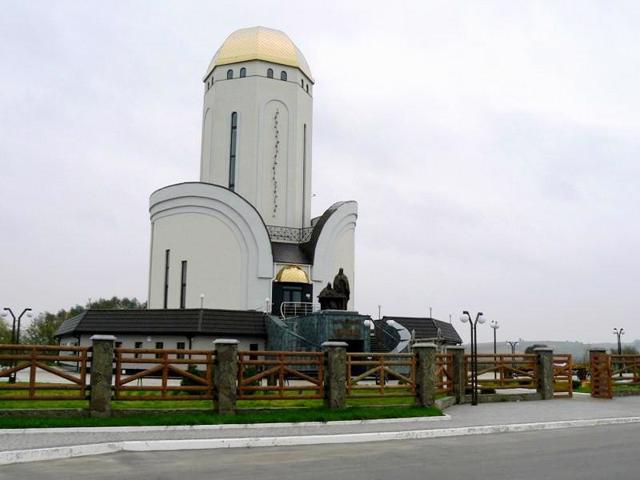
column 292, row 274
column 259, row 43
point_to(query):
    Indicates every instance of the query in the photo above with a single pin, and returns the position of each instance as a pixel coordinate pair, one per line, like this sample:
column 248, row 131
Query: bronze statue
column 341, row 285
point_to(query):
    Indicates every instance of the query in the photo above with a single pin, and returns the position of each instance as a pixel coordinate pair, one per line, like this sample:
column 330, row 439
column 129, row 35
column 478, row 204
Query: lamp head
column 465, row 317
column 481, row 318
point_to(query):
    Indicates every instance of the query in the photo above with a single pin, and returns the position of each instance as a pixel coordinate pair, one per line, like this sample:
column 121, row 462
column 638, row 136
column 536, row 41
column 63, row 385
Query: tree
column 626, row 350
column 41, row 331
column 5, row 332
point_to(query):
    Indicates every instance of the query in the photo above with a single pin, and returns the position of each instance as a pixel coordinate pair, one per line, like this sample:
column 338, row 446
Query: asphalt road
column 610, row 452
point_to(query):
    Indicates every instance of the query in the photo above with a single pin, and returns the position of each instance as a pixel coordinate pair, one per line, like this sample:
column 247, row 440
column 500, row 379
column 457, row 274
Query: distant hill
column 577, row 349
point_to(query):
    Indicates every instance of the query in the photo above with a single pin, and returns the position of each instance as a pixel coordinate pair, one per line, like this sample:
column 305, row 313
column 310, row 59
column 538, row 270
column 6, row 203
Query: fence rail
column 42, row 358
column 444, row 373
column 267, row 375
column 563, row 375
column 625, row 369
column 504, row 371
column 196, row 379
column 371, row 375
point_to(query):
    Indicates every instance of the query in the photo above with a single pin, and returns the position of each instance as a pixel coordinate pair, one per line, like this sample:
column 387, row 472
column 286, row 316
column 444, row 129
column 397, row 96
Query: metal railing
column 161, row 366
column 289, row 234
column 265, row 375
column 295, row 309
column 42, row 358
column 371, row 375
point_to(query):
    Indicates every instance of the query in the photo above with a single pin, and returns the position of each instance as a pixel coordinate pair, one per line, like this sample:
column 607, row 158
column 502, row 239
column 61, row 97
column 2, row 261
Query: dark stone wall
column 310, row 331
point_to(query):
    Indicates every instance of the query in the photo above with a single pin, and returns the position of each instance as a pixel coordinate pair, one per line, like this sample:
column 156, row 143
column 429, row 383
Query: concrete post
column 545, row 372
column 459, row 373
column 225, row 375
column 101, row 372
column 335, row 374
column 425, row 374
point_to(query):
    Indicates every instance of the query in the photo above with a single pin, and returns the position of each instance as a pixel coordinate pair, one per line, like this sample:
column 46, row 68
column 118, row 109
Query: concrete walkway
column 581, row 407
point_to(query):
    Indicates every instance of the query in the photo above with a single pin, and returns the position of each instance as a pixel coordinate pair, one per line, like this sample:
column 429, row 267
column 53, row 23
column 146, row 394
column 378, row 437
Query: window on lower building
column 243, row 72
column 283, row 75
column 159, row 346
column 229, row 74
column 269, row 72
column 253, row 347
column 180, row 346
column 137, row 345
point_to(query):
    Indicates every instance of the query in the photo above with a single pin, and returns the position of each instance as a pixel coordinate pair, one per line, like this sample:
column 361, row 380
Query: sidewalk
column 581, row 407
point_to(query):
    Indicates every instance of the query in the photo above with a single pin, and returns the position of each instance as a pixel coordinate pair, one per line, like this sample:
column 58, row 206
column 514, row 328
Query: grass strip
column 174, row 418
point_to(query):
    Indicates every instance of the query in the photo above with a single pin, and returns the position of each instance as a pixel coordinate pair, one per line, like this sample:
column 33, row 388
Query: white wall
column 223, row 240
column 335, row 249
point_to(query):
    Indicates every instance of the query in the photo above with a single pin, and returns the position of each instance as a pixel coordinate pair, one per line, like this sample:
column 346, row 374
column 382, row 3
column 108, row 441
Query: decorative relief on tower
column 274, row 167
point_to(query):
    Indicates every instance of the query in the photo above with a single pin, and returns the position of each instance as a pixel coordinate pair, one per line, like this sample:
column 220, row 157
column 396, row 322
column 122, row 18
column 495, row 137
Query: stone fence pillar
column 101, row 373
column 425, row 374
column 459, row 373
column 545, row 372
column 225, row 375
column 335, row 374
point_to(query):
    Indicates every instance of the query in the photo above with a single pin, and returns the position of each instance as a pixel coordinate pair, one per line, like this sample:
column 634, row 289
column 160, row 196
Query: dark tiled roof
column 169, row 322
column 289, row 253
column 428, row 328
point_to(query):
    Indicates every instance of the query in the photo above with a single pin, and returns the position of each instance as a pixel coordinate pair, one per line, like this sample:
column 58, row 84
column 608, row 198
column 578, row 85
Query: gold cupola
column 260, row 43
column 292, row 274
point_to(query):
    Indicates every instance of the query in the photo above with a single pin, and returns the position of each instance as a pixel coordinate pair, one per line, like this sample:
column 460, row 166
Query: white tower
column 256, row 133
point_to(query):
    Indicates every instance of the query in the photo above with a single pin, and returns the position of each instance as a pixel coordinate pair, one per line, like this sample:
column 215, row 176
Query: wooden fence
column 38, row 359
column 563, row 375
column 193, row 369
column 381, row 374
column 265, row 375
column 444, row 373
column 504, row 371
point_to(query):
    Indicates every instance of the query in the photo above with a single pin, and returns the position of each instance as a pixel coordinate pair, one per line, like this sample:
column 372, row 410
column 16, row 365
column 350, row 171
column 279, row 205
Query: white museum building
column 236, row 234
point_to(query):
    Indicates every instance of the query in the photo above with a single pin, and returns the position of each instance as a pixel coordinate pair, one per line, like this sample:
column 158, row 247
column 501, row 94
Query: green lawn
column 619, row 387
column 254, row 402
column 286, row 415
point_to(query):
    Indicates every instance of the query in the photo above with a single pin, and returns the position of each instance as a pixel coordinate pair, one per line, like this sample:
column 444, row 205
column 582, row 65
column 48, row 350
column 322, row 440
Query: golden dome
column 259, row 43
column 292, row 274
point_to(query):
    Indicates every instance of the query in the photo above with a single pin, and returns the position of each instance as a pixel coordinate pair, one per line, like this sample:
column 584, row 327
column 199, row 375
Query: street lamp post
column 619, row 333
column 494, row 324
column 15, row 332
column 466, row 317
column 513, row 352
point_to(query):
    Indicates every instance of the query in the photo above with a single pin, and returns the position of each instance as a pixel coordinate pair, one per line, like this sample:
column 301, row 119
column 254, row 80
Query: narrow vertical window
column 232, row 151
column 304, row 170
column 243, row 72
column 269, row 72
column 302, row 83
column 166, row 277
column 159, row 346
column 183, row 285
column 229, row 74
column 283, row 75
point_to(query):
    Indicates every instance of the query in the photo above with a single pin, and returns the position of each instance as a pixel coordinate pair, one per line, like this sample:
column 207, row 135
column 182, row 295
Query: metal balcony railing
column 296, row 309
column 289, row 234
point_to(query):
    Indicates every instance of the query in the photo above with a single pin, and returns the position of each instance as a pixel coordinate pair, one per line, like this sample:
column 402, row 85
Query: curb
column 22, row 456
column 223, row 426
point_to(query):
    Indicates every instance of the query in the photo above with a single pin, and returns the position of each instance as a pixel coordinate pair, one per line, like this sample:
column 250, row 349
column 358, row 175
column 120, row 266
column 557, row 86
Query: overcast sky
column 493, row 148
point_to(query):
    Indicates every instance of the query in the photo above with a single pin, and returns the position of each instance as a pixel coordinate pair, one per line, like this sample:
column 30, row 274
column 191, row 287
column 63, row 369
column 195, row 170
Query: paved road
column 580, row 453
